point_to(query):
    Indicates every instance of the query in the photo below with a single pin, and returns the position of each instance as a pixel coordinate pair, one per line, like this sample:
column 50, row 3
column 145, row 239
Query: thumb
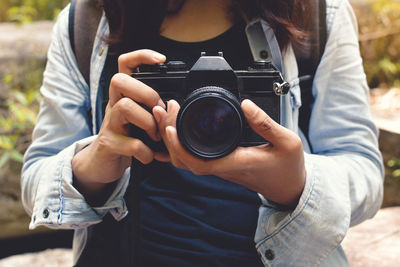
column 128, row 62
column 263, row 124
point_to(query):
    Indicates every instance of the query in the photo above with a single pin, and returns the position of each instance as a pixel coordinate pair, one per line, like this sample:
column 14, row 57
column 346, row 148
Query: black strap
column 71, row 20
column 308, row 63
column 84, row 18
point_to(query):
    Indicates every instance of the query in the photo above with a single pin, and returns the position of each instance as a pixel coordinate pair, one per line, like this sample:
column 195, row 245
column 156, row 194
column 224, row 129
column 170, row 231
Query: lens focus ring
column 210, row 122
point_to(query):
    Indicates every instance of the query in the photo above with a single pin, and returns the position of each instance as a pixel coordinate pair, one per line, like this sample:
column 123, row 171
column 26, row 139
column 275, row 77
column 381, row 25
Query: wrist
column 87, row 180
column 95, row 193
column 287, row 194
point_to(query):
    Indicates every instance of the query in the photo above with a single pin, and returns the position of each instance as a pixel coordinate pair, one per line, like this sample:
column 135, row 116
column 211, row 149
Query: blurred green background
column 379, row 27
column 22, row 11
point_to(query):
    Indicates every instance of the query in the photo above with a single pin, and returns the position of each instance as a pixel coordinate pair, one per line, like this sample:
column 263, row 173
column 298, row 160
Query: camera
column 210, row 122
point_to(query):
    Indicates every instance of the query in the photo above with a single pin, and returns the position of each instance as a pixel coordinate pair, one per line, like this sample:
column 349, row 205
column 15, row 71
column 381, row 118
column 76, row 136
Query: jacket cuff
column 320, row 220
column 58, row 204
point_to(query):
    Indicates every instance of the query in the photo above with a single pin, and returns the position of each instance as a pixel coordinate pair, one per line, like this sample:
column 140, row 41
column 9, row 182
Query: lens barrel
column 210, row 122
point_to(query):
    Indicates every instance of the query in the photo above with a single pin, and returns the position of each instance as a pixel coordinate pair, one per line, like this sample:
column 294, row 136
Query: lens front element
column 210, row 122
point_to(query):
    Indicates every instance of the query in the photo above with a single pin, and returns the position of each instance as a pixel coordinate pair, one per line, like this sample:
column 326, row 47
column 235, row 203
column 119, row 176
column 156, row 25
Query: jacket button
column 269, row 254
column 46, row 213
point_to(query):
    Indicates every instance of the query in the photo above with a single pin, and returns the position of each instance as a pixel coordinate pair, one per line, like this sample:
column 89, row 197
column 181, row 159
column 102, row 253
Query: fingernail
column 248, row 107
column 248, row 103
column 158, row 56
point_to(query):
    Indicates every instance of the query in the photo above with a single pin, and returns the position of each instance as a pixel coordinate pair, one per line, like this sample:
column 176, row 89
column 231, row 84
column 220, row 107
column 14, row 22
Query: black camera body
column 210, row 123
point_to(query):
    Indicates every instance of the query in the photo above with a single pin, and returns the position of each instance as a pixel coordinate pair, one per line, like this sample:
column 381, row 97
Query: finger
column 263, row 124
column 127, row 146
column 179, row 155
column 159, row 115
column 128, row 62
column 127, row 111
column 162, row 157
column 122, row 85
column 167, row 117
column 172, row 113
column 240, row 160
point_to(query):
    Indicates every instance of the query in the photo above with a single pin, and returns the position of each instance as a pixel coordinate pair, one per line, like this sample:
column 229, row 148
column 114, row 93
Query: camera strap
column 259, row 45
column 263, row 44
column 307, row 61
column 84, row 19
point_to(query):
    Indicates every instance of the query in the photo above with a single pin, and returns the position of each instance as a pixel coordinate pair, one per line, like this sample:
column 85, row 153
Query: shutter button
column 46, row 213
column 269, row 254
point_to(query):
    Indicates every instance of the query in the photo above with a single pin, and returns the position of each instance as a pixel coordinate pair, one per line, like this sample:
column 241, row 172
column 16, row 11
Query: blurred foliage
column 13, row 127
column 379, row 24
column 16, row 124
column 22, row 11
column 394, row 165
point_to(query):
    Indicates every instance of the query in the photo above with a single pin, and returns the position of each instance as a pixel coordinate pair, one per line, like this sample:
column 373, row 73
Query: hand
column 106, row 159
column 275, row 170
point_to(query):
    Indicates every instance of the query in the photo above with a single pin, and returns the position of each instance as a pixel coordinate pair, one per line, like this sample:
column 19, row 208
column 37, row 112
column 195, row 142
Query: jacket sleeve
column 344, row 183
column 62, row 129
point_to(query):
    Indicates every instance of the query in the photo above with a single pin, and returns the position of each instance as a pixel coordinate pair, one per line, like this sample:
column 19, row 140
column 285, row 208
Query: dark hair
column 129, row 19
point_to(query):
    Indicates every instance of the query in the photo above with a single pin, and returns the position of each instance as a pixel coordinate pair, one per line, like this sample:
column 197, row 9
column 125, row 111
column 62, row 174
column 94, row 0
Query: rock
column 375, row 242
column 385, row 107
column 24, row 41
column 47, row 258
column 22, row 51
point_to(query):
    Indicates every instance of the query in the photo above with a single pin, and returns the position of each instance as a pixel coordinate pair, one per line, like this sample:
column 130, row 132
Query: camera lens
column 210, row 122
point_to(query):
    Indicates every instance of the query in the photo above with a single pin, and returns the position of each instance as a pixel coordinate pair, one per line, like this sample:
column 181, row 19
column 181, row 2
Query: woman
column 277, row 204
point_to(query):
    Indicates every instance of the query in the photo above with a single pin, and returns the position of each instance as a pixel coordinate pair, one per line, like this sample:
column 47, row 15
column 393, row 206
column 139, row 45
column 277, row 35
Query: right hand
column 105, row 160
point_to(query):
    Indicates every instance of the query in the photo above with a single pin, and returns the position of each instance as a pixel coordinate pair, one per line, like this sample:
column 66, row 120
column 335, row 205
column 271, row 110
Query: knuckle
column 152, row 96
column 294, row 143
column 141, row 152
column 198, row 171
column 104, row 142
column 123, row 59
column 118, row 81
column 176, row 163
column 146, row 158
column 136, row 146
column 123, row 105
column 265, row 124
column 195, row 171
column 297, row 144
column 137, row 149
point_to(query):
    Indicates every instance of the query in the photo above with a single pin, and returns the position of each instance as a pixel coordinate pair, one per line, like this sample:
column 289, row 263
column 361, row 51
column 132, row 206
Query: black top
column 189, row 220
column 233, row 43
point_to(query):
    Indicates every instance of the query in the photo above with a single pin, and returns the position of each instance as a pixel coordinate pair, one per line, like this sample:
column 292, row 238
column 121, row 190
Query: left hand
column 275, row 170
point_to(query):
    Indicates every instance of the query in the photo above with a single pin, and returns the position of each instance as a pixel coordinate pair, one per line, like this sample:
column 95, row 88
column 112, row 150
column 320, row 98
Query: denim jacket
column 344, row 181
